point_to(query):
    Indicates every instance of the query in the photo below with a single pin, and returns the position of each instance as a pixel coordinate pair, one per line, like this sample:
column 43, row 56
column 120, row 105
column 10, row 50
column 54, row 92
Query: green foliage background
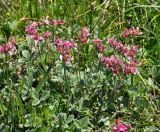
column 94, row 97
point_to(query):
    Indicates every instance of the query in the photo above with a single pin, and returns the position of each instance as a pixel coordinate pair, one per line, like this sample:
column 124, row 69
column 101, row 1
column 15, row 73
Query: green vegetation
column 80, row 65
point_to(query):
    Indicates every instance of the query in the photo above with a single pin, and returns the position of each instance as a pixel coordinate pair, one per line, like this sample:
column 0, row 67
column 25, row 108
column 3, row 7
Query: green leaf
column 35, row 102
column 91, row 48
column 45, row 76
column 62, row 119
column 26, row 54
column 21, row 106
column 70, row 119
column 80, row 104
column 21, row 60
column 1, row 107
column 82, row 123
column 35, row 95
column 44, row 95
column 13, row 25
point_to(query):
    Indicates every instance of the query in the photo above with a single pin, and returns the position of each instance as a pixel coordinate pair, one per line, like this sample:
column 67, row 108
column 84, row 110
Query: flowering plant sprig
column 99, row 45
column 32, row 29
column 129, row 65
column 8, row 47
column 120, row 126
column 131, row 32
column 64, row 47
column 84, row 35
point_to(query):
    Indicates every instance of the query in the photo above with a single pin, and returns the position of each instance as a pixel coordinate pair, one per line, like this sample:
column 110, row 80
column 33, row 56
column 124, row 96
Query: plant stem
column 30, row 8
column 132, row 80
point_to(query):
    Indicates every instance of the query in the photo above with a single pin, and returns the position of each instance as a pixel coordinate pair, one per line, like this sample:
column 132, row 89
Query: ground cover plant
column 80, row 65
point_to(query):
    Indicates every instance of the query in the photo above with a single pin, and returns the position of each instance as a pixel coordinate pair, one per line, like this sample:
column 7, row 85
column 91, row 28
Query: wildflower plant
column 120, row 126
column 84, row 72
column 46, row 46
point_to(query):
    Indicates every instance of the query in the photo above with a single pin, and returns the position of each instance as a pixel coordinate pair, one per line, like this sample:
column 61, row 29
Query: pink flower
column 124, row 50
column 60, row 22
column 45, row 21
column 120, row 126
column 66, row 57
column 113, row 63
column 101, row 48
column 130, row 69
column 84, row 35
column 118, row 46
column 1, row 49
column 68, row 44
column 59, row 45
column 31, row 30
column 59, row 42
column 37, row 37
column 131, row 32
column 52, row 22
column 97, row 41
column 13, row 41
column 32, row 33
column 8, row 47
column 129, row 53
column 115, row 128
column 99, row 45
column 111, row 40
column 34, row 24
column 63, row 47
column 47, row 34
column 132, row 51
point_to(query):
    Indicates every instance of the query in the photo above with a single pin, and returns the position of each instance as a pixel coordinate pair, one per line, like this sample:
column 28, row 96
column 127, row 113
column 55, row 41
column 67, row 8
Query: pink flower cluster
column 31, row 29
column 32, row 33
column 112, row 63
column 118, row 46
column 49, row 21
column 132, row 52
column 126, row 51
column 116, row 65
column 120, row 126
column 63, row 47
column 131, row 32
column 129, row 67
column 8, row 47
column 60, row 22
column 99, row 45
column 47, row 34
column 84, row 35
